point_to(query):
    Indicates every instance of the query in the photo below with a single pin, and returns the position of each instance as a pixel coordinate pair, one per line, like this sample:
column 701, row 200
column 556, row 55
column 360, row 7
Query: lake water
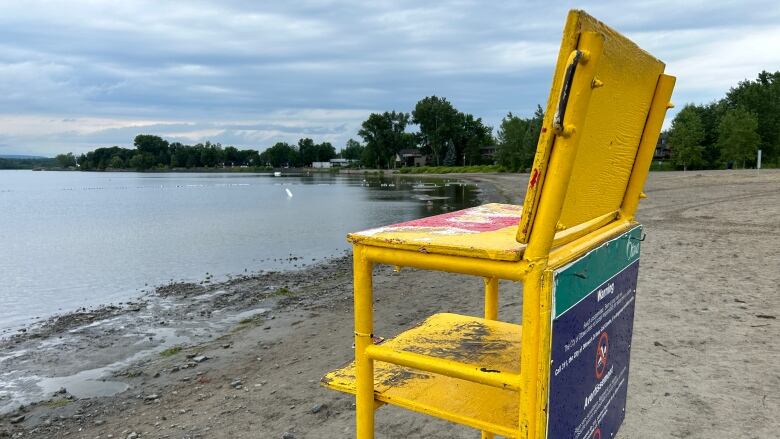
column 76, row 239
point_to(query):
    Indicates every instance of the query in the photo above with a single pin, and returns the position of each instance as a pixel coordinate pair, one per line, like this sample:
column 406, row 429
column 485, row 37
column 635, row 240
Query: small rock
column 132, row 435
column 226, row 346
column 152, row 397
column 17, row 419
column 100, row 422
column 317, row 408
column 62, row 391
column 288, row 435
column 200, row 358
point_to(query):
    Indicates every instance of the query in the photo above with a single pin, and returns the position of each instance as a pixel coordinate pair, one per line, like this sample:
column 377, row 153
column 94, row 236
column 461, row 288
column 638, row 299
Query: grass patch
column 56, row 403
column 283, row 291
column 450, row 169
column 170, row 351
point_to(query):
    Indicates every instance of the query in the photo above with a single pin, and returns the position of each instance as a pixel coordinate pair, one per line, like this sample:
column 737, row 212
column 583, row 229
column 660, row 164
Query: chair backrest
column 610, row 131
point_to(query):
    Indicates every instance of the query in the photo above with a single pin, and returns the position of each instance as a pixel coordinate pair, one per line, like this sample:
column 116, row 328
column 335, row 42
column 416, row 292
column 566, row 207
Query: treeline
column 729, row 132
column 444, row 134
column 26, row 162
column 154, row 152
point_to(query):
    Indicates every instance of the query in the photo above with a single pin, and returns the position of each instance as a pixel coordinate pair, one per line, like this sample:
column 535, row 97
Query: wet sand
column 243, row 358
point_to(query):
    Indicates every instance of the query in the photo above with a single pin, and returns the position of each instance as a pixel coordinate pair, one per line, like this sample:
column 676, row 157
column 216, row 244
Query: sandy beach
column 243, row 358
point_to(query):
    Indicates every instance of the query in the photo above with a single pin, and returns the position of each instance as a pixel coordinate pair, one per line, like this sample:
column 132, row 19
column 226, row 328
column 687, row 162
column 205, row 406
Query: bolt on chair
column 574, row 244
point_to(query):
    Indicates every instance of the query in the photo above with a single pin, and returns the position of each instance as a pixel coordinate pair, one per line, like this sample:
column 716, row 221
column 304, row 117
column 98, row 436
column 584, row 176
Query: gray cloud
column 78, row 75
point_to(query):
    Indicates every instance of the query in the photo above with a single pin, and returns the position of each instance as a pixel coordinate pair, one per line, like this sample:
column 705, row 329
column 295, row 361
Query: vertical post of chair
column 491, row 298
column 491, row 313
column 644, row 154
column 364, row 328
column 535, row 312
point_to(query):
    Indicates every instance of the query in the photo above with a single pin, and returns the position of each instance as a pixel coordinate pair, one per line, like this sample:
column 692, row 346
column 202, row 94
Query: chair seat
column 487, row 343
column 485, row 232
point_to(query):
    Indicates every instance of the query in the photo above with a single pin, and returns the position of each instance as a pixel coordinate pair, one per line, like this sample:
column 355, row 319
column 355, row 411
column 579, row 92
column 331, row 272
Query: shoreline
column 81, row 327
column 243, row 357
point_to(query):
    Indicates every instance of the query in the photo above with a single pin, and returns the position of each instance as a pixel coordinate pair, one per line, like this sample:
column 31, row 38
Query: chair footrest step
column 492, row 345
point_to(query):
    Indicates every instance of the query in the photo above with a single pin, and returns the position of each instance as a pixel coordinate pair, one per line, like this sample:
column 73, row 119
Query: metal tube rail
column 455, row 369
column 453, row 264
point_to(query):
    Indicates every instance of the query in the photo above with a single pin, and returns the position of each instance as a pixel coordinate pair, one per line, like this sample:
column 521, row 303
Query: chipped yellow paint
column 584, row 189
column 472, row 340
column 485, row 232
column 615, row 119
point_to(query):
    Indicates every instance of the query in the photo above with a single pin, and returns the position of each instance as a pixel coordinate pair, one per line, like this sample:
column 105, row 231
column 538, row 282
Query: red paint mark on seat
column 472, row 220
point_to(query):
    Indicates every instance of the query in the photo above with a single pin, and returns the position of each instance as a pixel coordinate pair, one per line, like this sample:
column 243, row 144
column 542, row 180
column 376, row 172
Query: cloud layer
column 77, row 75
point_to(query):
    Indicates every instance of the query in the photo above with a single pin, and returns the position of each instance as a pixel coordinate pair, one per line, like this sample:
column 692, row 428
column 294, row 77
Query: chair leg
column 491, row 298
column 364, row 370
column 491, row 313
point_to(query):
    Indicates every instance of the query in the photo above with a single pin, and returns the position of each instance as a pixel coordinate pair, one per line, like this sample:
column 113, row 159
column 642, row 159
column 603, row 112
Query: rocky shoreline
column 107, row 355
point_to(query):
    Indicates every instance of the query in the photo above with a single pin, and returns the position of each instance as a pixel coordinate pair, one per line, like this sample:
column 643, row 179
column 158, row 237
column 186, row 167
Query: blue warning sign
column 593, row 319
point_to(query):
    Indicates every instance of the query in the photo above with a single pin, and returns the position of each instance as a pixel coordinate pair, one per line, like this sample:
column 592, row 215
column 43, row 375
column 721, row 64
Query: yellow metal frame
column 540, row 258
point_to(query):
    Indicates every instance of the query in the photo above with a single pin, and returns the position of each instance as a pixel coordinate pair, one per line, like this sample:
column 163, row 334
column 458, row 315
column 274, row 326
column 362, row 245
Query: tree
column 449, row 158
column 710, row 116
column 517, row 139
column 439, row 122
column 685, row 138
column 762, row 98
column 325, row 152
column 385, row 135
column 738, row 137
column 353, row 150
column 307, row 151
column 211, row 154
column 66, row 160
column 281, row 154
column 232, row 156
column 116, row 162
column 474, row 136
column 137, row 161
column 155, row 146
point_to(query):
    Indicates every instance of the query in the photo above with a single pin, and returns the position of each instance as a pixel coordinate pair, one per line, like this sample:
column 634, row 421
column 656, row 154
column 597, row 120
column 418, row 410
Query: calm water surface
column 74, row 239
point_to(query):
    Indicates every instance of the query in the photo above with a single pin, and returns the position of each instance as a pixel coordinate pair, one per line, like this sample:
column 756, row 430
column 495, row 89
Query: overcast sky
column 77, row 75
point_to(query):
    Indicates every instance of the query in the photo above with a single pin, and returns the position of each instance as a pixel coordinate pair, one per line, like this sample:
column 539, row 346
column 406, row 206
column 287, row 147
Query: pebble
column 317, row 408
column 288, row 435
column 200, row 358
column 132, row 435
column 17, row 419
column 152, row 397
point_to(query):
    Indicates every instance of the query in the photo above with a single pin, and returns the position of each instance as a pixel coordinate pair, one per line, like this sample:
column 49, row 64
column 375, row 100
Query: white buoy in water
column 289, row 192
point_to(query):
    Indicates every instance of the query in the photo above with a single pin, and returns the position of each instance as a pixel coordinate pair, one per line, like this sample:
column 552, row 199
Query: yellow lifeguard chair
column 575, row 246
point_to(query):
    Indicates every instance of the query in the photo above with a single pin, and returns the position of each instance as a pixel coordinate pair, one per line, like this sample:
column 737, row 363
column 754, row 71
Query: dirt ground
column 706, row 349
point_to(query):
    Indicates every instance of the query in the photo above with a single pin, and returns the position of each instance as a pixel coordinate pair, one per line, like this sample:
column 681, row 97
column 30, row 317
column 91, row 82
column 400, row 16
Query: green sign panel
column 576, row 280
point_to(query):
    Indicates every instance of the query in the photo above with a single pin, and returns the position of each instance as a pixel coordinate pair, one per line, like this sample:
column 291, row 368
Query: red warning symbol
column 602, row 349
column 596, row 433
